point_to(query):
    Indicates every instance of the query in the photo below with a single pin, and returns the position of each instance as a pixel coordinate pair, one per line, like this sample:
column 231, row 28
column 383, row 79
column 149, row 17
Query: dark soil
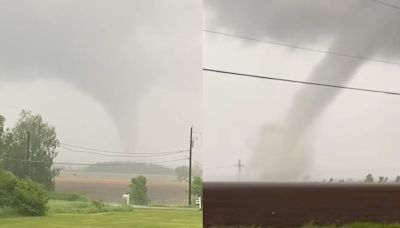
column 294, row 205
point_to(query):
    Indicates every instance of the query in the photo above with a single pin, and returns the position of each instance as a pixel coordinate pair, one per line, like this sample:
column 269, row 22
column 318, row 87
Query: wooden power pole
column 28, row 154
column 190, row 166
column 239, row 165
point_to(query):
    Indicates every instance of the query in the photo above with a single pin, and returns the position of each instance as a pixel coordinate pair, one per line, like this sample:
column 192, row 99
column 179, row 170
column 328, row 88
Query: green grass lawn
column 140, row 218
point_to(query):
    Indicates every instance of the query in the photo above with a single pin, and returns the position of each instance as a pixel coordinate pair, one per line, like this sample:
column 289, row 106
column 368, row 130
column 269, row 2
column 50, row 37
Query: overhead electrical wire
column 120, row 152
column 123, row 155
column 386, row 4
column 220, row 167
column 300, row 82
column 89, row 164
column 303, row 48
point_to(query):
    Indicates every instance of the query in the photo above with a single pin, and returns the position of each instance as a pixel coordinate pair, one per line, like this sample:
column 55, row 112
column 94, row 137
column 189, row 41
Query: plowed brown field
column 108, row 189
column 293, row 205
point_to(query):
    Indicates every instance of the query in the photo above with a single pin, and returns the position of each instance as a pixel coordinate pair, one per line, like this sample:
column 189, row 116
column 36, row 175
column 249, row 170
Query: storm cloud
column 112, row 50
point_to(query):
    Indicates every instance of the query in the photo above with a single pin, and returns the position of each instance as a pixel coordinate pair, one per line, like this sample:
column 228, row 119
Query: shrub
column 30, row 198
column 72, row 207
column 7, row 187
column 98, row 204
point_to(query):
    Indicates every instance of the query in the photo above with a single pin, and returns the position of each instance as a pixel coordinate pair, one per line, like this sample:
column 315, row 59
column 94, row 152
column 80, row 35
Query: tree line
column 368, row 179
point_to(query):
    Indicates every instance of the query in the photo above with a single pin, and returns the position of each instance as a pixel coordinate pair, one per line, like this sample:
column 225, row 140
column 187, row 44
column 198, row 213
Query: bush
column 7, row 187
column 68, row 196
column 30, row 198
column 98, row 204
column 72, row 207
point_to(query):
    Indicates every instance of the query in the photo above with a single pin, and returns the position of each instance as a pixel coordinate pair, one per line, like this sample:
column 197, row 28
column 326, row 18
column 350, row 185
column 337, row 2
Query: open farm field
column 109, row 188
column 297, row 204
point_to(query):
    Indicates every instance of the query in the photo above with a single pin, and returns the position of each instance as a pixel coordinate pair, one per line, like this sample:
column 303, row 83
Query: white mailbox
column 198, row 202
column 125, row 197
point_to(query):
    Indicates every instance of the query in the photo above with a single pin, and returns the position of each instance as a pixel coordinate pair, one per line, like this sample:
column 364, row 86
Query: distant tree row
column 368, row 179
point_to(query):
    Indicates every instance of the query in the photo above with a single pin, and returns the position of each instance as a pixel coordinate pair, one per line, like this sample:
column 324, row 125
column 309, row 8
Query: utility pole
column 190, row 166
column 28, row 154
column 239, row 165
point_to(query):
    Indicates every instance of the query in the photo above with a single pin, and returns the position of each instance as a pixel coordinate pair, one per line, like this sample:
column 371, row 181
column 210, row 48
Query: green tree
column 397, row 179
column 369, row 178
column 197, row 187
column 138, row 191
column 2, row 120
column 43, row 144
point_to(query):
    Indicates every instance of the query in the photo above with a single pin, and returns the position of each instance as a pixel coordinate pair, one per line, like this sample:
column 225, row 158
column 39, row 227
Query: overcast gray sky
column 116, row 75
column 357, row 132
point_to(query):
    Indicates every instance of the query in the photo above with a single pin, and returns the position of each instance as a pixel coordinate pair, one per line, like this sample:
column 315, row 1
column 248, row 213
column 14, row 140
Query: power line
column 128, row 156
column 220, row 167
column 94, row 164
column 386, row 4
column 303, row 48
column 301, row 82
column 119, row 152
column 190, row 166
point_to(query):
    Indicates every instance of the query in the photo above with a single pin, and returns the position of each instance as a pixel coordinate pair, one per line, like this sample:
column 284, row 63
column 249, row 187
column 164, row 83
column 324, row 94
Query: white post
column 200, row 203
column 126, row 197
